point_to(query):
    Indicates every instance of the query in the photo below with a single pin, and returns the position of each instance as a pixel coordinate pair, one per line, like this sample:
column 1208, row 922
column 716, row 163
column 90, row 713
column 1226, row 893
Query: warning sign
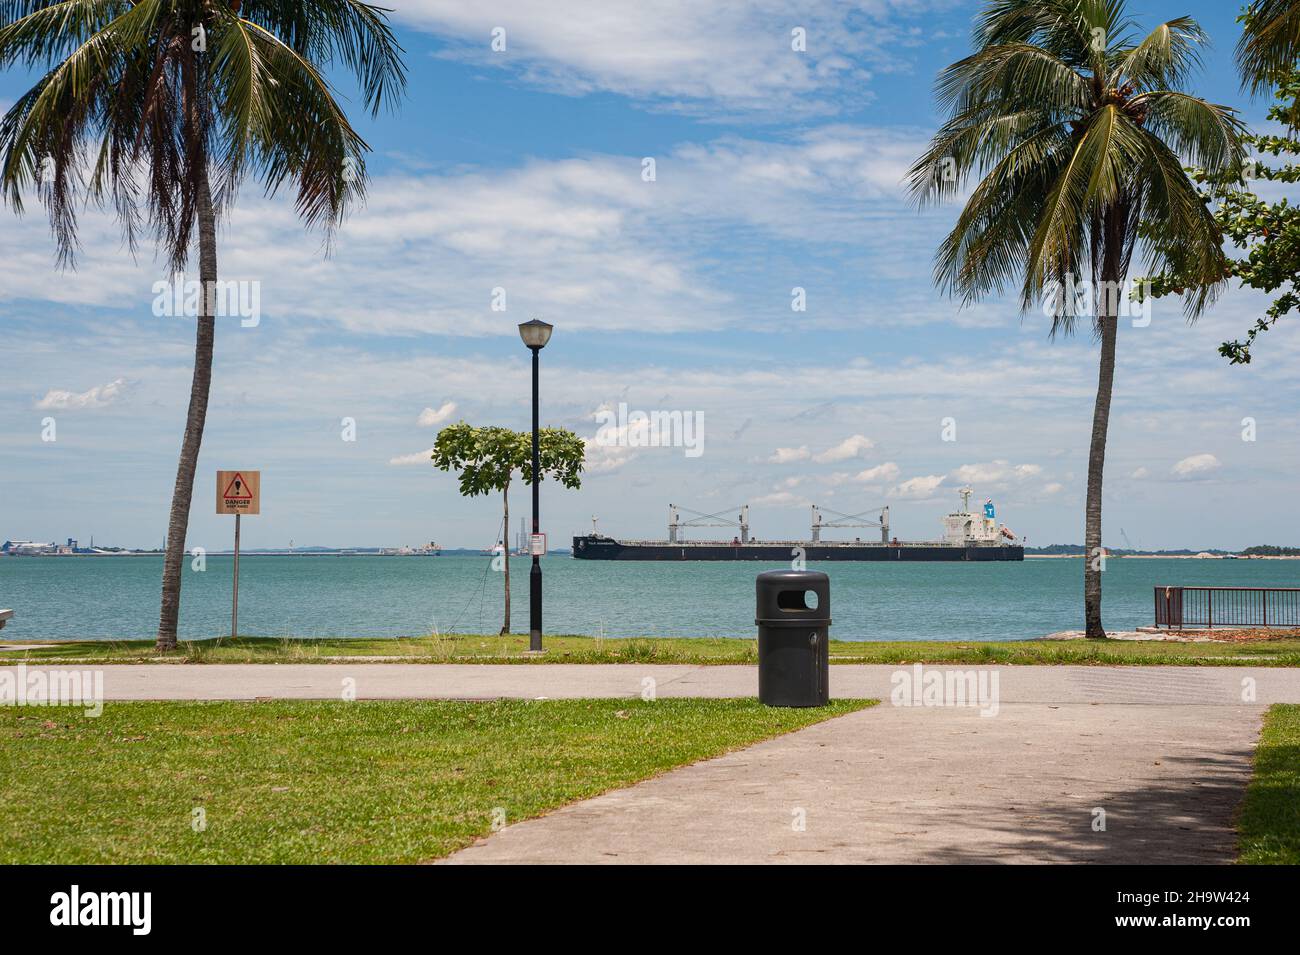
column 238, row 492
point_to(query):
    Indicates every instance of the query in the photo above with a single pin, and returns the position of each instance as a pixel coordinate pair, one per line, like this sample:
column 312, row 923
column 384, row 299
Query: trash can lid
column 781, row 595
column 805, row 577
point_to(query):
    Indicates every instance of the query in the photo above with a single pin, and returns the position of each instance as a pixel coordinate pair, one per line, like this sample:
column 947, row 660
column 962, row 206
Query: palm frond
column 1203, row 133
column 131, row 111
column 1012, row 73
column 355, row 33
column 1270, row 44
column 971, row 143
column 303, row 135
column 986, row 247
column 1181, row 236
column 34, row 34
column 1073, row 134
column 1165, row 58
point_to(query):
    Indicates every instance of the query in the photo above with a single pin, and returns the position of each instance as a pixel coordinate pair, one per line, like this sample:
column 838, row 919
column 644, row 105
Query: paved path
column 1026, row 684
column 894, row 784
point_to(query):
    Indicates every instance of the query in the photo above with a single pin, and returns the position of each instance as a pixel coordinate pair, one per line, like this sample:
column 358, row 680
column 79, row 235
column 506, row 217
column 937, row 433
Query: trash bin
column 793, row 615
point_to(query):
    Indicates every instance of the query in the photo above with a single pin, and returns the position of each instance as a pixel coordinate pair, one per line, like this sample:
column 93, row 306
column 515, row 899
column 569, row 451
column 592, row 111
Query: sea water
column 370, row 596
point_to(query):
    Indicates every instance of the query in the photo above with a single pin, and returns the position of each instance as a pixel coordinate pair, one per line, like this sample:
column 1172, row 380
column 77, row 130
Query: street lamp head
column 535, row 333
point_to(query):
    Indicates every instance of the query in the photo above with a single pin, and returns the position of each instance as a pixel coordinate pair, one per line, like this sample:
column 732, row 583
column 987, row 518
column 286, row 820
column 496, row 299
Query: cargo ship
column 967, row 537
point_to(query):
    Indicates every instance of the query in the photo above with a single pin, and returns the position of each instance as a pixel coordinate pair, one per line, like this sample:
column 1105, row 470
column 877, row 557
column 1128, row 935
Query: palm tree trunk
column 1107, row 305
column 1096, row 464
column 183, row 491
column 505, row 554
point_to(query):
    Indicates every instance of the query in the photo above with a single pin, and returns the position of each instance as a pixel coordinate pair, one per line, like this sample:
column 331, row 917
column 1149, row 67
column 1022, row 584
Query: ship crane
column 850, row 520
column 706, row 520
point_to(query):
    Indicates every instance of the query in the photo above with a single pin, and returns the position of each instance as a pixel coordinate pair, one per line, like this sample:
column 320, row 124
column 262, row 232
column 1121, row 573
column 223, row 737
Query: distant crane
column 862, row 519
column 706, row 520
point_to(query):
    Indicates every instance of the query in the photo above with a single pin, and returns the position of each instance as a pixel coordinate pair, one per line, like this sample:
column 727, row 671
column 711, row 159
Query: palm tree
column 161, row 108
column 1270, row 44
column 1079, row 133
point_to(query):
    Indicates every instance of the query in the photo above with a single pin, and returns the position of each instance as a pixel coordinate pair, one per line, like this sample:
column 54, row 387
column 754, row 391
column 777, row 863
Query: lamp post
column 535, row 333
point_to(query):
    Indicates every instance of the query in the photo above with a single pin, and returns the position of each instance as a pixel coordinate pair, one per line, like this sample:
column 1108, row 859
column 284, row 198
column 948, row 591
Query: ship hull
column 603, row 548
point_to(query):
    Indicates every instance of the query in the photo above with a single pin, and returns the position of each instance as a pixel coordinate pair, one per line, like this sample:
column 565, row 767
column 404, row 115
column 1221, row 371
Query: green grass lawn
column 1269, row 825
column 311, row 781
column 571, row 649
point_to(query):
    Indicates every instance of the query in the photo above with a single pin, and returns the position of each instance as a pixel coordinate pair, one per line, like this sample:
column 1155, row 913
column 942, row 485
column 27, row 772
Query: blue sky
column 522, row 170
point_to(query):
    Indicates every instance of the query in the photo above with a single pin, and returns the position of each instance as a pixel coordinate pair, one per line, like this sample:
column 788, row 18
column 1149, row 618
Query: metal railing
column 1182, row 608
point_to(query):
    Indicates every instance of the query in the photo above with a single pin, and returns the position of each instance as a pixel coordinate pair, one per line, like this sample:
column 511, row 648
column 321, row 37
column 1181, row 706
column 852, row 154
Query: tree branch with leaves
column 1268, row 233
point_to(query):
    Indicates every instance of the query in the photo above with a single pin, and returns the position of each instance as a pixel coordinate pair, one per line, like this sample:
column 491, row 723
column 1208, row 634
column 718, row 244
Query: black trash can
column 794, row 618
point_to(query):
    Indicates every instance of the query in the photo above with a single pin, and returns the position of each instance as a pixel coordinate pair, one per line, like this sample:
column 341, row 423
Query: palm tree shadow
column 1179, row 821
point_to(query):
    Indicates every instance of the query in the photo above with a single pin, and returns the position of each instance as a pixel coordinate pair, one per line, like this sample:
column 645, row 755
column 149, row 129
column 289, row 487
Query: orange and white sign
column 239, row 492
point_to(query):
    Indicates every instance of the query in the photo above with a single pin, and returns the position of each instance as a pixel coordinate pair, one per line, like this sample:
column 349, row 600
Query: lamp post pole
column 535, row 575
column 535, row 333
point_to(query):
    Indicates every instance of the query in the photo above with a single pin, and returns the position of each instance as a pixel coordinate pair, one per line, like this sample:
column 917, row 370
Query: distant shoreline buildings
column 24, row 548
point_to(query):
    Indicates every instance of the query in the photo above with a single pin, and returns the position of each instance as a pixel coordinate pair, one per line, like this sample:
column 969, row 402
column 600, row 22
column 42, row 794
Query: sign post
column 238, row 493
column 234, row 590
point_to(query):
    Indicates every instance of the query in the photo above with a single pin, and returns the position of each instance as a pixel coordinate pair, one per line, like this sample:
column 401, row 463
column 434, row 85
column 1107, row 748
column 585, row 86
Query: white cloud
column 1139, row 474
column 993, row 472
column 101, row 396
column 629, row 429
column 880, row 473
column 1196, row 464
column 430, row 417
column 585, row 238
column 419, row 457
column 790, row 455
column 601, row 457
column 780, row 499
column 1053, row 488
column 918, row 488
column 850, row 447
column 681, row 54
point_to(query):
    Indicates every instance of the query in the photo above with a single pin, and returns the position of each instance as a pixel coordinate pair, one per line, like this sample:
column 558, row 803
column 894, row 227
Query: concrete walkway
column 907, row 785
column 1191, row 686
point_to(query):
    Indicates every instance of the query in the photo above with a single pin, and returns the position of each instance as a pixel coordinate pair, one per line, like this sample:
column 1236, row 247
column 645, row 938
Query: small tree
column 487, row 459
